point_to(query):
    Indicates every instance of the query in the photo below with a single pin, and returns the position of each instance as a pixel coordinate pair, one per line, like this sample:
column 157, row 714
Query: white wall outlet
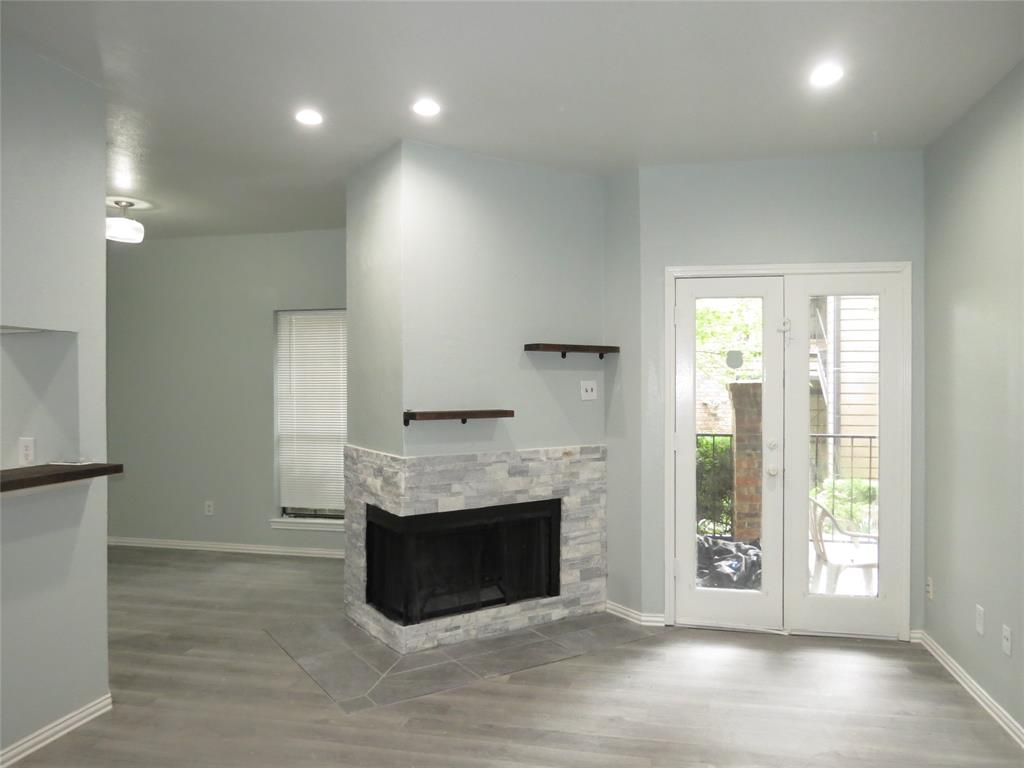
column 588, row 390
column 979, row 620
column 26, row 451
column 208, row 509
column 1007, row 641
column 929, row 588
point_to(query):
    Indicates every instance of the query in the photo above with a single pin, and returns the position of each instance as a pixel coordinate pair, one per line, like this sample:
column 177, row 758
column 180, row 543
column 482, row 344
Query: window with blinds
column 311, row 397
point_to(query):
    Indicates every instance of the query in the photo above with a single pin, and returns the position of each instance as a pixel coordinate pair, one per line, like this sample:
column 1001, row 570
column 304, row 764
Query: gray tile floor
column 359, row 672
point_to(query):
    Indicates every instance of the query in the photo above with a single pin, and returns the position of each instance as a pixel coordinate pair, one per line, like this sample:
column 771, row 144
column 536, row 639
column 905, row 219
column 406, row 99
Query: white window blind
column 311, row 402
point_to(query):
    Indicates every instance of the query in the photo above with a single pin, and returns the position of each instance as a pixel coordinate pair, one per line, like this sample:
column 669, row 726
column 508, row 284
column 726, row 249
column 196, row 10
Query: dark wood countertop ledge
column 39, row 475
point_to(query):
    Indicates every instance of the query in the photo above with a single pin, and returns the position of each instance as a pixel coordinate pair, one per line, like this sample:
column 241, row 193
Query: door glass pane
column 844, row 448
column 729, row 373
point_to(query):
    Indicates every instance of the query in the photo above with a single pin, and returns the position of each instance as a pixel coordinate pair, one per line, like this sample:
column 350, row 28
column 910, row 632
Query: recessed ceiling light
column 309, row 117
column 426, row 107
column 826, row 74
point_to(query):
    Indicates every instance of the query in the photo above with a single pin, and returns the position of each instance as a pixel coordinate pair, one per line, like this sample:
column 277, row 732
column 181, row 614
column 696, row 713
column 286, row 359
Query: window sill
column 307, row 524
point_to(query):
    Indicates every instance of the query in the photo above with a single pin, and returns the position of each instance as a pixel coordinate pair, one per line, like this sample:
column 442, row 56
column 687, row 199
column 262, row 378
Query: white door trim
column 903, row 268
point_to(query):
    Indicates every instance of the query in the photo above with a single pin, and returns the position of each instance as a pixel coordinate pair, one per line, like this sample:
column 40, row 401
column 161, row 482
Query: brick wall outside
column 747, row 459
column 714, row 411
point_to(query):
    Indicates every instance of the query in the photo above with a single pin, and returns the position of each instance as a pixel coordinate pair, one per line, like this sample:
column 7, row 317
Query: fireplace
column 426, row 566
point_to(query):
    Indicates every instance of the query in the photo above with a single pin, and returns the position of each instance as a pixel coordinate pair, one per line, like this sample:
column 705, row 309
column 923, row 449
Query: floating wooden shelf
column 462, row 416
column 20, row 478
column 565, row 349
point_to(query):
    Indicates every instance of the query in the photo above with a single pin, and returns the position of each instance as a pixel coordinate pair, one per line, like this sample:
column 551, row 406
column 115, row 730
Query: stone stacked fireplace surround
column 423, row 485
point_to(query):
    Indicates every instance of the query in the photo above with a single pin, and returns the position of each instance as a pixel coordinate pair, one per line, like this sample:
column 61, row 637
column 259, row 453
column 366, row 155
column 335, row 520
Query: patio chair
column 819, row 515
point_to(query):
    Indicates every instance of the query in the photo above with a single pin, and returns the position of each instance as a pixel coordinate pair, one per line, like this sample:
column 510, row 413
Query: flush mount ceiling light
column 309, row 117
column 121, row 229
column 826, row 74
column 426, row 107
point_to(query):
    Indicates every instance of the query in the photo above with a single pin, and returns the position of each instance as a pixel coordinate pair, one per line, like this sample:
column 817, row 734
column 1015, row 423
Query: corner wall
column 975, row 290
column 53, row 561
column 622, row 314
column 374, row 275
column 191, row 380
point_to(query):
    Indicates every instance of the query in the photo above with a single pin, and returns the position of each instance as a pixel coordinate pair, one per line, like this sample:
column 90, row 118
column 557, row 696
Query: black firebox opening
column 425, row 566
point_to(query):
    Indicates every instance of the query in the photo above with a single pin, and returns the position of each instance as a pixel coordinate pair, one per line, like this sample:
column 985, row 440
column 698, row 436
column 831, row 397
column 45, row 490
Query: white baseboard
column 323, row 524
column 54, row 730
column 646, row 619
column 990, row 705
column 218, row 546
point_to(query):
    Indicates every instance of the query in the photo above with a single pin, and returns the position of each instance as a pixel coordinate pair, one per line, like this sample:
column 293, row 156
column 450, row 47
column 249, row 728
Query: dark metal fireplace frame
column 397, row 546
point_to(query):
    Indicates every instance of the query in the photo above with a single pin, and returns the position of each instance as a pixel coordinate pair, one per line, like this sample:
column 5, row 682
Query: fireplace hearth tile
column 378, row 656
column 418, row 659
column 342, row 674
column 420, row 682
column 356, row 705
column 359, row 672
column 309, row 638
column 600, row 637
column 521, row 657
column 492, row 644
column 577, row 623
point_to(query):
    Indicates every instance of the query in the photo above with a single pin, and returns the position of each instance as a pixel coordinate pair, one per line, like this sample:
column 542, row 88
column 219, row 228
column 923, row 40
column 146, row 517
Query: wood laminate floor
column 197, row 681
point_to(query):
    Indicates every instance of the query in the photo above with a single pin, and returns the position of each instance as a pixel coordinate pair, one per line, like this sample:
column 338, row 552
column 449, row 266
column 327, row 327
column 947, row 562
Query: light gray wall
column 53, row 558
column 374, row 267
column 852, row 207
column 975, row 289
column 622, row 315
column 191, row 390
column 496, row 254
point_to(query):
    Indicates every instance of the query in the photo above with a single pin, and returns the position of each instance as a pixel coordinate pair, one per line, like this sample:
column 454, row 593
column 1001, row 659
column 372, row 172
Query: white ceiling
column 201, row 94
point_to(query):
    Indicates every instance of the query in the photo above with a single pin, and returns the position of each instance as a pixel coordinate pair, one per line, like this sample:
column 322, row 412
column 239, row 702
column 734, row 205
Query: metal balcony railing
column 843, row 478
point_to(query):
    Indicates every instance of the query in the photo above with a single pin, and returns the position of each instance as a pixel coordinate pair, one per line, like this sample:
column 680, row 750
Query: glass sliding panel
column 729, row 374
column 844, row 446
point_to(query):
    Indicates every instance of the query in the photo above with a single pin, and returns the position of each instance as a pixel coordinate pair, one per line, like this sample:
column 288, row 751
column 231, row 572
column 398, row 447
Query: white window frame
column 312, row 522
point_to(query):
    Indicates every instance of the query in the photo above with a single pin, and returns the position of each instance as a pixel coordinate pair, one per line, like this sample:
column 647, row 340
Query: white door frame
column 903, row 268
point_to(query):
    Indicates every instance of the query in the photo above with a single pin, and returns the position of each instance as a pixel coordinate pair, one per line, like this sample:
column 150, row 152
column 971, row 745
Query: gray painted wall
column 975, row 290
column 622, row 316
column 374, row 267
column 191, row 391
column 852, row 207
column 496, row 254
column 53, row 554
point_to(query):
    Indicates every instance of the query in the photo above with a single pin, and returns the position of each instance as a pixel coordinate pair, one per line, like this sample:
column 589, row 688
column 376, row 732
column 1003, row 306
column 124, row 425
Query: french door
column 790, row 452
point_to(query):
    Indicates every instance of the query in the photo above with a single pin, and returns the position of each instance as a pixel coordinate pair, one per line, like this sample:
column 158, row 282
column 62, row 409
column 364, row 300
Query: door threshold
column 783, row 632
column 731, row 628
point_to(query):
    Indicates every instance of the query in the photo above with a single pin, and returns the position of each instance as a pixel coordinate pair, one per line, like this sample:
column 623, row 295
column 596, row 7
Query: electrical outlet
column 979, row 620
column 929, row 588
column 1007, row 641
column 208, row 509
column 26, row 451
column 588, row 390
